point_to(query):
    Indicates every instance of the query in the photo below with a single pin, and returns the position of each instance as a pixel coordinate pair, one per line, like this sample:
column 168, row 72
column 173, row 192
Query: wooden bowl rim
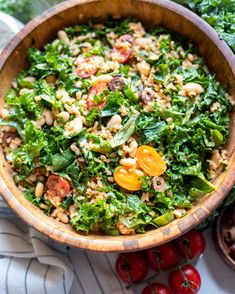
column 162, row 234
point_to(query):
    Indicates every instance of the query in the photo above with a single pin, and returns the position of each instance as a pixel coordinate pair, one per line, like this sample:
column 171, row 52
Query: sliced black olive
column 116, row 84
column 147, row 95
column 126, row 38
column 6, row 136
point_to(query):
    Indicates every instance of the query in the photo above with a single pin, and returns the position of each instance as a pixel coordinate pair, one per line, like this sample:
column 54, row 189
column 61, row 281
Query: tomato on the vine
column 156, row 288
column 150, row 160
column 185, row 280
column 163, row 257
column 191, row 245
column 58, row 185
column 131, row 267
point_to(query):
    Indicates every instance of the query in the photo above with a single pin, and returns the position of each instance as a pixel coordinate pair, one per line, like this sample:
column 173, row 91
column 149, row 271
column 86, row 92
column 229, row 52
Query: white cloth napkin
column 31, row 263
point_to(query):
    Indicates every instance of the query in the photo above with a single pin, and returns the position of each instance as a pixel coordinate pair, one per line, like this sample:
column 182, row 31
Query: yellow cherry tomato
column 128, row 178
column 150, row 161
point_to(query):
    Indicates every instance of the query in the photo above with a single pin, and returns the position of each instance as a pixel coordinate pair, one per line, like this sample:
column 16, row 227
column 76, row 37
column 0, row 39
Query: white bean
column 74, row 126
column 193, row 87
column 144, row 68
column 178, row 213
column 63, row 217
column 62, row 35
column 25, row 91
column 115, row 120
column 4, row 112
column 30, row 79
column 103, row 79
column 48, row 117
column 128, row 162
column 72, row 209
column 39, row 189
column 40, row 122
column 64, row 115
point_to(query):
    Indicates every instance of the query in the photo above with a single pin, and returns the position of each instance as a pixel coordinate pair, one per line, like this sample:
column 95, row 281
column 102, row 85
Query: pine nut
column 48, row 117
column 39, row 189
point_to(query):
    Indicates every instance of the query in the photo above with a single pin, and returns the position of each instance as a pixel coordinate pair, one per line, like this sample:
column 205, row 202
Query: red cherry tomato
column 185, row 280
column 122, row 55
column 122, row 50
column 58, row 186
column 156, row 288
column 163, row 257
column 191, row 245
column 97, row 89
column 132, row 267
column 89, row 66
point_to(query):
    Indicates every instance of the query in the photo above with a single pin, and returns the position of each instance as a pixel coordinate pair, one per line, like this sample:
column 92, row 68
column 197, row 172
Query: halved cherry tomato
column 89, row 66
column 122, row 55
column 156, row 288
column 132, row 267
column 58, row 185
column 97, row 89
column 150, row 161
column 122, row 50
column 191, row 245
column 185, row 280
column 127, row 178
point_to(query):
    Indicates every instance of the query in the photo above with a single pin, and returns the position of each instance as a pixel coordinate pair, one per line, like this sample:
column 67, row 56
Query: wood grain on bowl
column 43, row 29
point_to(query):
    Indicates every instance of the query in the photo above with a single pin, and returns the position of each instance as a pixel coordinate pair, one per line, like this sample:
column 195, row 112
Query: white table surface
column 217, row 277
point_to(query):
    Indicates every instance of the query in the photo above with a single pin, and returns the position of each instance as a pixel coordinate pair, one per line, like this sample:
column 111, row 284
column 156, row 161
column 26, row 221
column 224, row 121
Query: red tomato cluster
column 183, row 278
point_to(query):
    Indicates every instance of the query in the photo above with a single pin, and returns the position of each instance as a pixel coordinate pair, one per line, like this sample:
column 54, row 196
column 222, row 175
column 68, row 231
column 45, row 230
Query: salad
column 115, row 128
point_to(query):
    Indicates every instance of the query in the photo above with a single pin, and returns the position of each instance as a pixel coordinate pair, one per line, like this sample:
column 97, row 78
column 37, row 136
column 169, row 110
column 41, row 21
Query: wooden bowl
column 219, row 240
column 167, row 14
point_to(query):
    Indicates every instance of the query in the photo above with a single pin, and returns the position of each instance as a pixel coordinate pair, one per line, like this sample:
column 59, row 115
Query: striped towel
column 31, row 263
